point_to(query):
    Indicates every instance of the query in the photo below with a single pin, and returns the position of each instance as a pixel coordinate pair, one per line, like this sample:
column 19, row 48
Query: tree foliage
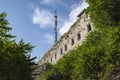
column 104, row 12
column 15, row 62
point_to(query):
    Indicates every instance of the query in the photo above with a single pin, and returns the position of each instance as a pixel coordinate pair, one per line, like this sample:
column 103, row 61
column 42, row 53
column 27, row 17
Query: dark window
column 78, row 36
column 65, row 47
column 55, row 56
column 72, row 41
column 51, row 59
column 61, row 51
column 89, row 28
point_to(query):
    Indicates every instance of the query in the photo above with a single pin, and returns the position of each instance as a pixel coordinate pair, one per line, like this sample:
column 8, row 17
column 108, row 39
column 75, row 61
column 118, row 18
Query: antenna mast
column 55, row 28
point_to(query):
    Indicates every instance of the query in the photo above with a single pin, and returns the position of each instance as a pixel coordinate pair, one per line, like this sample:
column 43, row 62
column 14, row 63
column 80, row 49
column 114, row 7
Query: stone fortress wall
column 70, row 40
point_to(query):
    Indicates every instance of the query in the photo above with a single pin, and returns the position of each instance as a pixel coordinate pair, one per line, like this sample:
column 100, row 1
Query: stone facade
column 70, row 40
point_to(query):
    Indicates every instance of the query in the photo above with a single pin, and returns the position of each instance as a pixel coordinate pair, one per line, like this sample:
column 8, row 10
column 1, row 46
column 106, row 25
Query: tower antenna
column 55, row 28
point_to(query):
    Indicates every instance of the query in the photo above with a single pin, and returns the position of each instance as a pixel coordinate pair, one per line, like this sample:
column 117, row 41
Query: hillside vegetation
column 99, row 56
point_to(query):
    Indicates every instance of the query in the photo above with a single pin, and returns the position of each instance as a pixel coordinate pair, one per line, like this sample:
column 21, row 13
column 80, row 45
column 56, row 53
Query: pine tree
column 15, row 61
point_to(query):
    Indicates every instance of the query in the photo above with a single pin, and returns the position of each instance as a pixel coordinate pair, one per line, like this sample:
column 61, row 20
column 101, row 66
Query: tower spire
column 55, row 28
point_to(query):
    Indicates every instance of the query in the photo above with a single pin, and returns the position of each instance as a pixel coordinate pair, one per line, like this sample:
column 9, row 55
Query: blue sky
column 33, row 20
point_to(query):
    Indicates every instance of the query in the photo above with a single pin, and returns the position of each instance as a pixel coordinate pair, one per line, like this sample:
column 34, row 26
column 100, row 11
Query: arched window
column 89, row 27
column 78, row 36
column 65, row 47
column 51, row 59
column 55, row 56
column 72, row 41
column 61, row 51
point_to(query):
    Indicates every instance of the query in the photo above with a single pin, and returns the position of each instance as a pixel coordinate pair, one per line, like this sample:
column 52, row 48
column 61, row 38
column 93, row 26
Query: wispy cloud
column 42, row 17
column 47, row 38
column 75, row 10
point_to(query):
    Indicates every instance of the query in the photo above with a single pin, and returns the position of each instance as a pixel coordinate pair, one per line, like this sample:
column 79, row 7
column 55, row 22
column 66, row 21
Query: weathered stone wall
column 70, row 40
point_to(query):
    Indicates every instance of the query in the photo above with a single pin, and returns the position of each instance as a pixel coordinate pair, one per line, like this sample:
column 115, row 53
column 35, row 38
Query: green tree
column 15, row 61
column 104, row 13
column 4, row 28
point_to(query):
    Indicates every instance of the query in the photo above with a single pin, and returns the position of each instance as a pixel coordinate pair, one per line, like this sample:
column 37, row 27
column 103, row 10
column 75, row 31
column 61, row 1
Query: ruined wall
column 70, row 40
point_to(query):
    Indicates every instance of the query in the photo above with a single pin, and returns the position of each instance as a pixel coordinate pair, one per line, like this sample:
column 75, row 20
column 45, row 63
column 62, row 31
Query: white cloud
column 42, row 17
column 76, row 9
column 65, row 27
column 48, row 39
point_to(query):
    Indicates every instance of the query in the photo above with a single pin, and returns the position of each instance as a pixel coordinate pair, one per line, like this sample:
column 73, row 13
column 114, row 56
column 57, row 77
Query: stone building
column 70, row 40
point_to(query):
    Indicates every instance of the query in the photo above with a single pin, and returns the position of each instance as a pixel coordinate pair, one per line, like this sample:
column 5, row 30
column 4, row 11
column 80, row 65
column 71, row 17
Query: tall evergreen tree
column 15, row 61
column 4, row 28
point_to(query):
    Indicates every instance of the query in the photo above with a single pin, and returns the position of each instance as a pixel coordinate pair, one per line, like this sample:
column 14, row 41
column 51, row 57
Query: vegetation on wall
column 15, row 61
column 99, row 53
column 104, row 13
column 99, row 56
